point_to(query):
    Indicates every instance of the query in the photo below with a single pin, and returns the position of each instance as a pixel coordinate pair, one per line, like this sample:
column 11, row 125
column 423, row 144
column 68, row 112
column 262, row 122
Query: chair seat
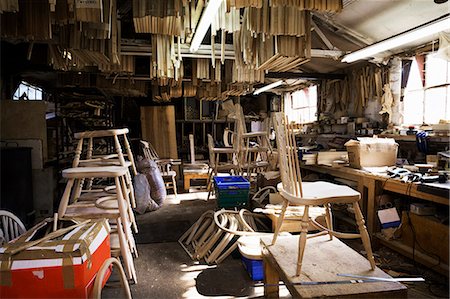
column 94, row 172
column 319, row 193
column 224, row 150
column 102, row 162
column 254, row 134
column 170, row 173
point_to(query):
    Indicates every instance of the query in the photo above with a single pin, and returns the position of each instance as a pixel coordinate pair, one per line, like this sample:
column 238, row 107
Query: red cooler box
column 60, row 264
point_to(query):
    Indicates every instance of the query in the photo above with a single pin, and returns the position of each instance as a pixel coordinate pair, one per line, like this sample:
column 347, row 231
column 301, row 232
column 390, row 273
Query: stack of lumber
column 245, row 3
column 209, row 91
column 158, row 17
column 189, row 90
column 9, row 6
column 29, row 20
column 90, row 11
column 282, row 53
column 320, row 5
column 357, row 89
column 247, row 74
column 237, row 89
column 280, row 20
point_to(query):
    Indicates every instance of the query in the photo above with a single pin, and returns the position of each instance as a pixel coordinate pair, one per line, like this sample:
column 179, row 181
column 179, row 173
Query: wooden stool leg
column 174, row 184
column 127, row 199
column 124, row 215
column 129, row 154
column 280, row 220
column 302, row 240
column 78, row 188
column 329, row 219
column 129, row 182
column 125, row 252
column 65, row 198
column 364, row 234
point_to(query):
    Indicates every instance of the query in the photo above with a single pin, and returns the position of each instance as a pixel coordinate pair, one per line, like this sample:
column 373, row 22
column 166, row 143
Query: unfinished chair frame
column 296, row 192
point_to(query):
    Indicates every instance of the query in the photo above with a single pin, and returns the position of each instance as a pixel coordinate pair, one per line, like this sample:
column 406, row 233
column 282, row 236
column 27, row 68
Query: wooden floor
column 322, row 261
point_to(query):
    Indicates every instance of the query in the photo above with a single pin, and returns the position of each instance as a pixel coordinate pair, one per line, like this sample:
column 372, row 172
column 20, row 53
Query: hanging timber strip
column 359, row 87
column 320, row 5
column 158, row 17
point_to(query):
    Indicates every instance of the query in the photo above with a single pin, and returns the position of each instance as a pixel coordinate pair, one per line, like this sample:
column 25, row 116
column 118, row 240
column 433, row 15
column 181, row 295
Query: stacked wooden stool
column 82, row 199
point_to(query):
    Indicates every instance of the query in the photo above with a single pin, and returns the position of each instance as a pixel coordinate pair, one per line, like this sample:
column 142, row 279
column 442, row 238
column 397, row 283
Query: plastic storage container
column 232, row 191
column 255, row 268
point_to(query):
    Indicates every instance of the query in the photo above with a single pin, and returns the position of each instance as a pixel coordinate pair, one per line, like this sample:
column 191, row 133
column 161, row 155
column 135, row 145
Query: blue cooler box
column 232, row 191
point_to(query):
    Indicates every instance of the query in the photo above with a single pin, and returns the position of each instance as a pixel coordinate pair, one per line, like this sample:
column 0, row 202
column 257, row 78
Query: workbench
column 371, row 186
column 323, row 260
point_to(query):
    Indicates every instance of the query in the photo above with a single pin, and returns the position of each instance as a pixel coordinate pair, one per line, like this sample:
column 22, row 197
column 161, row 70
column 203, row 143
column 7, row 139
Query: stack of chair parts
column 213, row 236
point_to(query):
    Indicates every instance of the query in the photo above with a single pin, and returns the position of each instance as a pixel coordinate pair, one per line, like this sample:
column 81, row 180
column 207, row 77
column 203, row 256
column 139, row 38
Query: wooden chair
column 10, row 227
column 165, row 166
column 252, row 159
column 114, row 208
column 307, row 194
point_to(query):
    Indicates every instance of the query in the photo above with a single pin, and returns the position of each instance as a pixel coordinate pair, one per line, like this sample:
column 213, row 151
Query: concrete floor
column 165, row 270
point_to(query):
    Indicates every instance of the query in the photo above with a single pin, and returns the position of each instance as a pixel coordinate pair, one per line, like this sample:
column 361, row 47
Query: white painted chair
column 308, row 194
column 10, row 226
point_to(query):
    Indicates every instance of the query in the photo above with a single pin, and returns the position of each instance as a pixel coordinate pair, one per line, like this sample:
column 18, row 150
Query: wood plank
column 323, row 259
column 158, row 128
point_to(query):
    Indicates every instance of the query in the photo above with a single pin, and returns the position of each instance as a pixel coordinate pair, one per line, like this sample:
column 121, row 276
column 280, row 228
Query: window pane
column 413, row 107
column 435, row 71
column 414, row 80
column 435, row 105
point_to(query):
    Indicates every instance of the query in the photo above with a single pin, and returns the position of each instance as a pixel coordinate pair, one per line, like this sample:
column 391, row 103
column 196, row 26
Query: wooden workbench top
column 322, row 261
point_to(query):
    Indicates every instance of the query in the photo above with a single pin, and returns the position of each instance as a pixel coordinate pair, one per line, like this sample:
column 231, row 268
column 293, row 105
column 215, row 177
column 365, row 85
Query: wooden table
column 371, row 186
column 322, row 261
column 193, row 174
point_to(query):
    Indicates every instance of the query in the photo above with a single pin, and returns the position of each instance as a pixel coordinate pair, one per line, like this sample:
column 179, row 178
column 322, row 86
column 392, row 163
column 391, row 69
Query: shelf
column 419, row 257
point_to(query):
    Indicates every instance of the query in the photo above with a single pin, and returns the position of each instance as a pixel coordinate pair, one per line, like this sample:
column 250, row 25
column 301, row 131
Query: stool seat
column 85, row 211
column 101, row 133
column 94, row 172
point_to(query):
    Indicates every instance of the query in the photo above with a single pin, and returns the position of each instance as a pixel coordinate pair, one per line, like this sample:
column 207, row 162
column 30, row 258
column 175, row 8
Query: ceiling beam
column 310, row 76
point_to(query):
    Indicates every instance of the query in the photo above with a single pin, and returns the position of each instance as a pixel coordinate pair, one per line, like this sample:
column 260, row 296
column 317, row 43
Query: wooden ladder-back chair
column 296, row 192
column 10, row 227
column 165, row 165
column 252, row 159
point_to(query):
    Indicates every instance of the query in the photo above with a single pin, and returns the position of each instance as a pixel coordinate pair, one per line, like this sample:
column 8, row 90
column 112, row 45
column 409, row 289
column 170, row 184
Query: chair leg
column 174, row 183
column 302, row 240
column 364, row 234
column 329, row 219
column 280, row 221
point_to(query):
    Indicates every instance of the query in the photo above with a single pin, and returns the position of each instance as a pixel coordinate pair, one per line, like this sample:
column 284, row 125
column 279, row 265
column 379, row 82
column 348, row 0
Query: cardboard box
column 372, row 152
column 64, row 266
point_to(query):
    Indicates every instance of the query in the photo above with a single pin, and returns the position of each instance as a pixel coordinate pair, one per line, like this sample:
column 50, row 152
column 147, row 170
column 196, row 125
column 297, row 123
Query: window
column 427, row 103
column 27, row 91
column 301, row 106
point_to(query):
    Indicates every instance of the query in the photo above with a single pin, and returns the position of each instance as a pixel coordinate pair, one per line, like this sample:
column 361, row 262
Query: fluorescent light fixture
column 205, row 21
column 268, row 87
column 414, row 34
